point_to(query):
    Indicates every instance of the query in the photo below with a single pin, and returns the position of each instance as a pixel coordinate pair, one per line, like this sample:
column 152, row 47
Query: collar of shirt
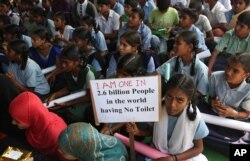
column 111, row 14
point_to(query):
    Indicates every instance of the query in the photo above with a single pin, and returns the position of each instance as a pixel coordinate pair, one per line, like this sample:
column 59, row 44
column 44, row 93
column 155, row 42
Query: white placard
column 136, row 99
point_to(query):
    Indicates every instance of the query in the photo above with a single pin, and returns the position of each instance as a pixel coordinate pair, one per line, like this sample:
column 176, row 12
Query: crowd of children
column 99, row 39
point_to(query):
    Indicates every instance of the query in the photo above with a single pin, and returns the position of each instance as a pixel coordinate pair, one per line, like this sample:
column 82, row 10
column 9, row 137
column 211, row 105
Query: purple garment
column 61, row 5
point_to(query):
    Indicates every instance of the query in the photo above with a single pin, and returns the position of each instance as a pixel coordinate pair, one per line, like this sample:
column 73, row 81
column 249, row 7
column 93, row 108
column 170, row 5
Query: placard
column 135, row 99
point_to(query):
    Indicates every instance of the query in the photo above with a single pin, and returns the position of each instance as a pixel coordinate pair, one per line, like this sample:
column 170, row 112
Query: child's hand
column 11, row 76
column 58, row 106
column 49, row 99
column 226, row 111
column 216, row 103
column 132, row 128
column 105, row 130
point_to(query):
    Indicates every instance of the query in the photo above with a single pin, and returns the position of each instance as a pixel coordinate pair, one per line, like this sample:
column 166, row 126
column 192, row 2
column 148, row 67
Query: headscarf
column 8, row 92
column 44, row 127
column 84, row 142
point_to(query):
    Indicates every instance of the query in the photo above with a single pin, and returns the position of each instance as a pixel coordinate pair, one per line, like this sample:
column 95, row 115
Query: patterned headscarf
column 84, row 142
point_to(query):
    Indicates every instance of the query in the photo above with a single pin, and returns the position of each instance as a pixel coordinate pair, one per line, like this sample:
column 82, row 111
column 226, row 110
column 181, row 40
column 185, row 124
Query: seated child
column 184, row 129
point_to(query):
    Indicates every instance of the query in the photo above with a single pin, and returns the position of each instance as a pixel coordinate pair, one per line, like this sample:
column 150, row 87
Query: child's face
column 134, row 20
column 19, row 124
column 4, row 9
column 242, row 30
column 11, row 54
column 126, row 48
column 80, row 43
column 70, row 65
column 128, row 9
column 38, row 19
column 103, row 8
column 235, row 73
column 239, row 5
column 58, row 23
column 46, row 4
column 181, row 47
column 37, row 41
column 175, row 100
column 186, row 21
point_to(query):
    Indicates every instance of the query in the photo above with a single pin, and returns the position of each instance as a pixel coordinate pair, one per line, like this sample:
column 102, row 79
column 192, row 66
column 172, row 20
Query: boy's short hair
column 106, row 2
column 139, row 11
column 244, row 18
column 191, row 13
column 197, row 5
column 132, row 3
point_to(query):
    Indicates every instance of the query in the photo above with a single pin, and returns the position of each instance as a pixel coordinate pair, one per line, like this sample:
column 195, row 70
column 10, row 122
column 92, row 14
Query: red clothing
column 44, row 127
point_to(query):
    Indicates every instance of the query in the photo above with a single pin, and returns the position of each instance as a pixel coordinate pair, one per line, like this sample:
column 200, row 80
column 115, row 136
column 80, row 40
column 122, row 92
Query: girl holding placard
column 181, row 128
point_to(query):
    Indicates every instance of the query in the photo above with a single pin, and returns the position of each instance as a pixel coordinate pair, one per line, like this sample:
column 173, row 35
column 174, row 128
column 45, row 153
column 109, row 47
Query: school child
column 130, row 42
column 129, row 65
column 109, row 23
column 73, row 139
column 83, row 39
column 42, row 51
column 14, row 32
column 24, row 72
column 229, row 95
column 98, row 39
column 117, row 7
column 215, row 12
column 147, row 6
column 5, row 8
column 202, row 23
column 234, row 41
column 40, row 18
column 82, row 8
column 4, row 20
column 63, row 30
column 77, row 74
column 128, row 6
column 239, row 6
column 136, row 23
column 161, row 20
column 46, row 4
column 186, row 62
column 42, row 128
column 188, row 18
column 184, row 129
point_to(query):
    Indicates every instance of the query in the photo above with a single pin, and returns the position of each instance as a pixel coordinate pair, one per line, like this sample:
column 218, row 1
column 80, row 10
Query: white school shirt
column 108, row 26
column 239, row 97
column 203, row 24
column 226, row 4
column 67, row 34
column 82, row 8
column 217, row 14
column 201, row 72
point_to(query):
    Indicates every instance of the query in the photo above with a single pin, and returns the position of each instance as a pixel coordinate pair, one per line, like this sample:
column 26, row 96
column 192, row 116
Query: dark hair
column 131, row 64
column 190, row 38
column 5, row 19
column 197, row 5
column 38, row 11
column 139, row 11
column 106, row 2
column 133, row 38
column 29, row 2
column 241, row 58
column 72, row 52
column 191, row 13
column 132, row 3
column 246, row 1
column 82, row 33
column 13, row 29
column 186, row 84
column 90, row 21
column 163, row 5
column 60, row 15
column 42, row 33
column 5, row 2
column 244, row 18
column 20, row 48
